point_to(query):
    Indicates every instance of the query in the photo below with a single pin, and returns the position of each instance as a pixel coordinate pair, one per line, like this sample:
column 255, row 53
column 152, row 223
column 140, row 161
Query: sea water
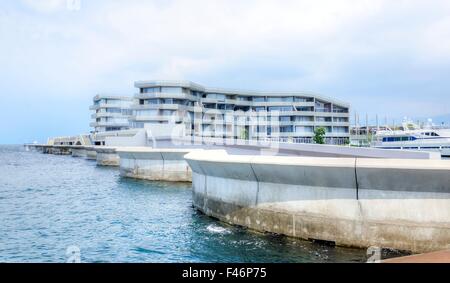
column 51, row 206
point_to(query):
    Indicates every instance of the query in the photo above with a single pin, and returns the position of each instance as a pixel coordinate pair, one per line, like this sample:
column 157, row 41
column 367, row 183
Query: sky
column 384, row 57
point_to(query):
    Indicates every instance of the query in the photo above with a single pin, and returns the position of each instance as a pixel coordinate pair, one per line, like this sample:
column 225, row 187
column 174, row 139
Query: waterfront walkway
column 434, row 257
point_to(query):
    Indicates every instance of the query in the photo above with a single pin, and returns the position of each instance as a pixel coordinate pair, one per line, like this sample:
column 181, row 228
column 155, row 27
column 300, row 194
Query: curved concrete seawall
column 91, row 154
column 155, row 164
column 401, row 204
column 107, row 156
column 57, row 149
column 78, row 151
column 233, row 146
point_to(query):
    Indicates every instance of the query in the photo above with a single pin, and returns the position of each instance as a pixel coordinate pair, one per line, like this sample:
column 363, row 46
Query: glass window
column 146, row 112
column 259, row 99
column 280, row 108
column 303, row 118
column 323, row 119
column 304, row 129
column 340, row 119
column 113, row 110
column 171, row 89
column 305, row 109
column 167, row 112
column 337, row 109
column 218, row 96
column 137, row 125
column 261, row 129
column 286, row 129
column 279, row 99
column 150, row 89
column 341, row 129
column 303, row 99
column 152, row 101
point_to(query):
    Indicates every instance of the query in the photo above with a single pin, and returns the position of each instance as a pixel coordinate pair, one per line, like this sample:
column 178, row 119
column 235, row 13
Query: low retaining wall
column 57, row 149
column 299, row 149
column 78, row 151
column 107, row 156
column 155, row 164
column 401, row 204
column 91, row 153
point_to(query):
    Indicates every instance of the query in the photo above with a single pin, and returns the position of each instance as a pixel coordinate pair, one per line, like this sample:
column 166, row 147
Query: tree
column 319, row 135
column 244, row 134
column 347, row 142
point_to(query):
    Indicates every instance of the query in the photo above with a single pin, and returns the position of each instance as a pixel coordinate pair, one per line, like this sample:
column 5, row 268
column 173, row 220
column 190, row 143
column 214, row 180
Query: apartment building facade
column 110, row 113
column 227, row 113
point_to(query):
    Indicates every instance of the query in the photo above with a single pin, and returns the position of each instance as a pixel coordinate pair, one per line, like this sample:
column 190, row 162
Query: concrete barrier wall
column 91, row 154
column 155, row 164
column 78, row 151
column 57, row 149
column 107, row 156
column 314, row 150
column 353, row 202
column 135, row 140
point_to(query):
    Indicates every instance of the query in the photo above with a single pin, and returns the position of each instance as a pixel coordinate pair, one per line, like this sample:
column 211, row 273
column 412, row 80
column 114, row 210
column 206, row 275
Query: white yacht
column 412, row 137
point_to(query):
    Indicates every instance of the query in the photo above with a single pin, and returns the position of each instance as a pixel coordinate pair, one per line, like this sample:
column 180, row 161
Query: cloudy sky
column 390, row 58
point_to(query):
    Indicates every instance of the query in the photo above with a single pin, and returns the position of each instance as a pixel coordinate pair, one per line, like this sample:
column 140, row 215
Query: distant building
column 111, row 113
column 221, row 113
column 226, row 113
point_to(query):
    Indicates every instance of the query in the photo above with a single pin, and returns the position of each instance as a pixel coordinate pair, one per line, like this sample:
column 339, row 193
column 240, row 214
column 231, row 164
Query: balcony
column 304, row 123
column 238, row 102
column 341, row 124
column 340, row 111
column 213, row 111
column 156, row 106
column 323, row 110
column 108, row 124
column 165, row 95
column 107, row 114
column 337, row 135
column 144, row 118
column 324, row 123
column 283, row 134
column 293, row 113
column 105, row 105
column 274, row 103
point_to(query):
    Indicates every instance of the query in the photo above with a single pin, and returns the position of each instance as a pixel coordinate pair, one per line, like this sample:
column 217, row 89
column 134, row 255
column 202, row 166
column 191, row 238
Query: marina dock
column 433, row 257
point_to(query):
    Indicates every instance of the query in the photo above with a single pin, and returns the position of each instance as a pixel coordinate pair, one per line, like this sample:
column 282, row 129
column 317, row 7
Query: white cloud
column 46, row 6
column 327, row 44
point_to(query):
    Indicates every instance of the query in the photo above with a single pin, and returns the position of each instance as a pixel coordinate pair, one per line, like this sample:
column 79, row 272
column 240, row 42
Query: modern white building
column 227, row 113
column 111, row 113
column 110, row 118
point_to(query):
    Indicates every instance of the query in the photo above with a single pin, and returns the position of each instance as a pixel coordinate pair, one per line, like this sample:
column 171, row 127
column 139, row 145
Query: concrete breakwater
column 107, row 156
column 78, row 151
column 254, row 147
column 91, row 154
column 56, row 150
column 155, row 164
column 392, row 203
column 86, row 151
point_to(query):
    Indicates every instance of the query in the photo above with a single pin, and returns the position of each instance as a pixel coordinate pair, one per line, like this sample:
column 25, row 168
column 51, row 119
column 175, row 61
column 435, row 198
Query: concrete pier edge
column 357, row 202
column 107, row 156
column 160, row 164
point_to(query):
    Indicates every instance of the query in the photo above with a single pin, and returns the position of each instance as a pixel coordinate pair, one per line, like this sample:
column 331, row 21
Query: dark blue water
column 48, row 203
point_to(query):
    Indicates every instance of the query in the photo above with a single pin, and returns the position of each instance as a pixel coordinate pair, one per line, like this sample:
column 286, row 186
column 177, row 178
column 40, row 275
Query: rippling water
column 48, row 203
